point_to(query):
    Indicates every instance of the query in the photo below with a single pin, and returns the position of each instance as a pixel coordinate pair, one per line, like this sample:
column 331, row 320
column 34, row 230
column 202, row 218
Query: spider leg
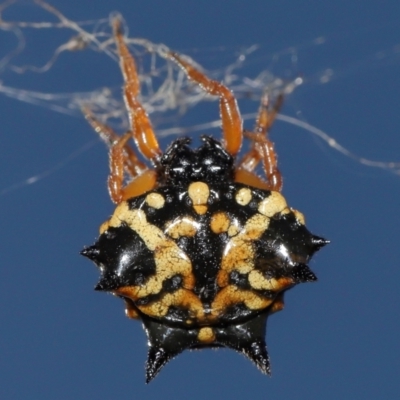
column 141, row 128
column 262, row 148
column 132, row 165
column 230, row 114
column 123, row 159
column 137, row 186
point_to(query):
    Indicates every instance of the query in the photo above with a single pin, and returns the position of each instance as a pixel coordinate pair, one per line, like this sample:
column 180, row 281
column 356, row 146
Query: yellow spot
column 243, row 196
column 183, row 226
column 206, row 335
column 219, row 223
column 254, row 227
column 231, row 295
column 155, row 200
column 200, row 209
column 286, row 210
column 272, row 204
column 234, row 228
column 259, row 282
column 103, row 227
column 181, row 298
column 299, row 216
column 199, row 193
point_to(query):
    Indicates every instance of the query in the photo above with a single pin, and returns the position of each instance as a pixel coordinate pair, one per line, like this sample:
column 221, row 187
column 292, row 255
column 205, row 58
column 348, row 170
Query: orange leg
column 141, row 128
column 116, row 178
column 122, row 160
column 250, row 178
column 230, row 114
column 132, row 165
column 139, row 185
column 262, row 148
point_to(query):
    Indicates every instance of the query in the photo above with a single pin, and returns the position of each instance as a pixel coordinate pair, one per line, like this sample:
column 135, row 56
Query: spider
column 200, row 248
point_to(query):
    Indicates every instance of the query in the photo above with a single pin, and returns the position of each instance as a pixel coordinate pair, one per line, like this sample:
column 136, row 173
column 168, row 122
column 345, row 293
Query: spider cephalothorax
column 201, row 249
column 209, row 163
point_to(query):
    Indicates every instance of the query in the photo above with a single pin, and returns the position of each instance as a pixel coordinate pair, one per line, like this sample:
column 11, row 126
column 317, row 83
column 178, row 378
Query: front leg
column 232, row 126
column 141, row 128
column 262, row 148
column 140, row 184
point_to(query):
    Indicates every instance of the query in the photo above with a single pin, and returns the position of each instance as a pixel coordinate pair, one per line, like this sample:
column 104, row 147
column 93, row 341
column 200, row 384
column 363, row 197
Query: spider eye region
column 209, row 163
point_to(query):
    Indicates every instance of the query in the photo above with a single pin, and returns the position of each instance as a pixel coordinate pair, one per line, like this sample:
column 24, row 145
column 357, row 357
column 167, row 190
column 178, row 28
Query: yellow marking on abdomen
column 199, row 193
column 170, row 260
column 155, row 200
column 206, row 335
column 243, row 196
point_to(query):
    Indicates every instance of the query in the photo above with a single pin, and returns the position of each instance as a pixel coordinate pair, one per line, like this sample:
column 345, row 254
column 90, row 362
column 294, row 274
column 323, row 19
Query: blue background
column 337, row 338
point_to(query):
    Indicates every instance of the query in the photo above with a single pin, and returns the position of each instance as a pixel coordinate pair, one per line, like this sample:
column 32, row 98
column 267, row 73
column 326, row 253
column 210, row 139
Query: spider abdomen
column 204, row 259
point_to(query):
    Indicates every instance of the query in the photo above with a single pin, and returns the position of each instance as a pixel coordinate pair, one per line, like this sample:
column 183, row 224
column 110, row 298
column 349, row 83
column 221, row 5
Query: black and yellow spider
column 200, row 248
